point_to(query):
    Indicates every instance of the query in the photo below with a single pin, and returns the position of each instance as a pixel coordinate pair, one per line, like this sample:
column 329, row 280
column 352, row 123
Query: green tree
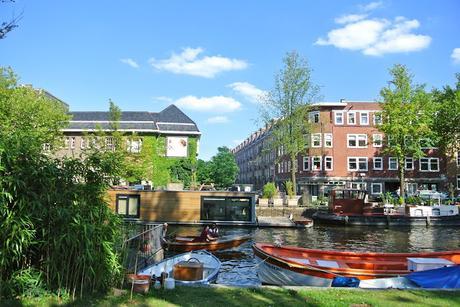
column 285, row 109
column 407, row 114
column 204, row 171
column 447, row 123
column 56, row 228
column 223, row 168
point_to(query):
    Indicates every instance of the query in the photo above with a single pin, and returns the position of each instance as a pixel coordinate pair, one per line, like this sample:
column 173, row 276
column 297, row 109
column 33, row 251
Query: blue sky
column 214, row 58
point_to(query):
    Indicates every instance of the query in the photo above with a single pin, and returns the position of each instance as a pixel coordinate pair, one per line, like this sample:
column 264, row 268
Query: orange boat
column 189, row 243
column 295, row 266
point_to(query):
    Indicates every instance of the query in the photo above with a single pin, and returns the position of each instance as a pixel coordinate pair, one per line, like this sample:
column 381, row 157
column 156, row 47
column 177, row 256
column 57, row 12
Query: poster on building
column 176, row 146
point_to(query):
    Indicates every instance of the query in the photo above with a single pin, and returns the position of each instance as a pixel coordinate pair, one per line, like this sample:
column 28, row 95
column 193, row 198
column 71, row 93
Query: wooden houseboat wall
column 184, row 207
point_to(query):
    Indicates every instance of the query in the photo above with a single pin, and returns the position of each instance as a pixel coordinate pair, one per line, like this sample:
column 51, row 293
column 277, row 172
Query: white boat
column 211, row 267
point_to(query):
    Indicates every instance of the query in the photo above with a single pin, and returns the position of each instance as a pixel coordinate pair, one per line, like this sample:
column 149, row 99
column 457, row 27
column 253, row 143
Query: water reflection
column 238, row 264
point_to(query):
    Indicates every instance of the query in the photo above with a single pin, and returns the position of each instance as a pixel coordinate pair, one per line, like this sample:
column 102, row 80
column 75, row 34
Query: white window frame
column 389, row 163
column 374, row 139
column 354, row 117
column 358, row 138
column 458, row 158
column 72, row 142
column 312, row 116
column 405, row 163
column 342, row 117
column 361, row 113
column 376, row 184
column 325, row 163
column 374, row 159
column 458, row 182
column 328, row 138
column 318, row 159
column 67, row 142
column 130, row 145
column 306, row 159
column 375, row 117
column 358, row 169
column 318, row 138
column 429, row 164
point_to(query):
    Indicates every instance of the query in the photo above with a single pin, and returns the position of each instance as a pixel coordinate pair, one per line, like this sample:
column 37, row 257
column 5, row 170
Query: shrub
column 269, row 190
column 289, row 187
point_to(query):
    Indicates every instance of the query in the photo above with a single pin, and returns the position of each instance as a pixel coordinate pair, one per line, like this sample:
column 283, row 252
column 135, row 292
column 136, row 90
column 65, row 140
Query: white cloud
column 188, row 63
column 371, row 6
column 249, row 91
column 209, row 104
column 349, row 18
column 163, row 98
column 218, row 120
column 456, row 55
column 130, row 62
column 378, row 36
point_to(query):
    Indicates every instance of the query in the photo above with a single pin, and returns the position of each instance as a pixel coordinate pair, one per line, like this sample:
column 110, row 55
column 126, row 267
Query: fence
column 144, row 248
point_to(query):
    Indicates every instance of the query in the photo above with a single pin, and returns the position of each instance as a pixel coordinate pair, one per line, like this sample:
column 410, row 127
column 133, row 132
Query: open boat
column 295, row 266
column 210, row 264
column 189, row 243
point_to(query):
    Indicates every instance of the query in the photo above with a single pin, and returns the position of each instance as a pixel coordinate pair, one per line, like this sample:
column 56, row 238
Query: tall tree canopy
column 285, row 109
column 447, row 123
column 221, row 170
column 407, row 113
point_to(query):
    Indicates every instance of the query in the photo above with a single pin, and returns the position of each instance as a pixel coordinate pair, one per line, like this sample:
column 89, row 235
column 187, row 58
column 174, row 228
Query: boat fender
column 349, row 282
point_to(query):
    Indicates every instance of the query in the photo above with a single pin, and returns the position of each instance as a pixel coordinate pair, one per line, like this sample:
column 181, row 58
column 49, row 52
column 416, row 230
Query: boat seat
column 328, row 263
column 300, row 260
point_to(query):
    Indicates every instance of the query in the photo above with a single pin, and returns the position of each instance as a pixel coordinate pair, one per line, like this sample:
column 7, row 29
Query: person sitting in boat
column 205, row 235
column 214, row 231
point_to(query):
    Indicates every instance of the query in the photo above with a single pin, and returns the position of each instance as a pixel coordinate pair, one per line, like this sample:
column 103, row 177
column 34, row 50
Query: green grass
column 187, row 296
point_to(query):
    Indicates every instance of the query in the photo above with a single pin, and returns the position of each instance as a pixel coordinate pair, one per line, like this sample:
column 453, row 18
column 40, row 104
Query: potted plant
column 175, row 185
column 269, row 190
column 291, row 200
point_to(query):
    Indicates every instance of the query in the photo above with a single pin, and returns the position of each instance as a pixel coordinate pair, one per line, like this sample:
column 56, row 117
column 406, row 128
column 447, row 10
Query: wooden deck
column 278, row 221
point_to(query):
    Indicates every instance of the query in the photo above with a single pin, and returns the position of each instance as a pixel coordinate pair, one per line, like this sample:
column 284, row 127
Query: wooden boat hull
column 304, row 223
column 293, row 266
column 386, row 220
column 222, row 243
column 211, row 263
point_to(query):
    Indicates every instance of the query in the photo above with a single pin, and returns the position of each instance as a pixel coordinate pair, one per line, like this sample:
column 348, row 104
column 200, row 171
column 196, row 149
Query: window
column 429, row 164
column 377, row 118
column 458, row 182
column 72, row 142
column 357, row 140
column 352, row 118
column 411, row 188
column 46, row 147
column 364, row 118
column 377, row 140
column 338, row 118
column 458, row 158
column 83, row 142
column 134, row 146
column 328, row 163
column 109, row 142
column 314, row 117
column 316, row 140
column 328, row 140
column 226, row 208
column 128, row 205
column 66, row 142
column 409, row 164
column 377, row 163
column 376, row 188
column 392, row 163
column 316, row 163
column 306, row 163
column 357, row 164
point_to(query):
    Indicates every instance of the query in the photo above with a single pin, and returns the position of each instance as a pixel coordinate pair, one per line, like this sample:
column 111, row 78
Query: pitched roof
column 171, row 119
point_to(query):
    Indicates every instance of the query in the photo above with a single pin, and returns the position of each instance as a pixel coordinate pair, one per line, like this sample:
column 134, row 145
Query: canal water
column 238, row 264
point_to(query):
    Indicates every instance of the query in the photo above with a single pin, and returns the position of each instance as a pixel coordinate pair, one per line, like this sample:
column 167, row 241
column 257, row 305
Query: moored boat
column 295, row 266
column 303, row 223
column 190, row 243
column 203, row 268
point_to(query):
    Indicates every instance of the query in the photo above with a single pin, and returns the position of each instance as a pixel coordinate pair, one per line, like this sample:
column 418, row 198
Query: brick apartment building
column 345, row 151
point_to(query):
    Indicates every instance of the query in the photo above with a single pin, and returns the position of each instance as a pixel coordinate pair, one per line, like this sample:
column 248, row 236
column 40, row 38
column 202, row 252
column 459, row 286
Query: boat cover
column 443, row 278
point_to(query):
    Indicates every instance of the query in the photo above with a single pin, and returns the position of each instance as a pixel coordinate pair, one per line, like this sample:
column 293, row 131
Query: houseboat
column 350, row 207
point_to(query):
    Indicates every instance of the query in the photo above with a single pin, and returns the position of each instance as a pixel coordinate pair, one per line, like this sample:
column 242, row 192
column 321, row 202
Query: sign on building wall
column 176, row 146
